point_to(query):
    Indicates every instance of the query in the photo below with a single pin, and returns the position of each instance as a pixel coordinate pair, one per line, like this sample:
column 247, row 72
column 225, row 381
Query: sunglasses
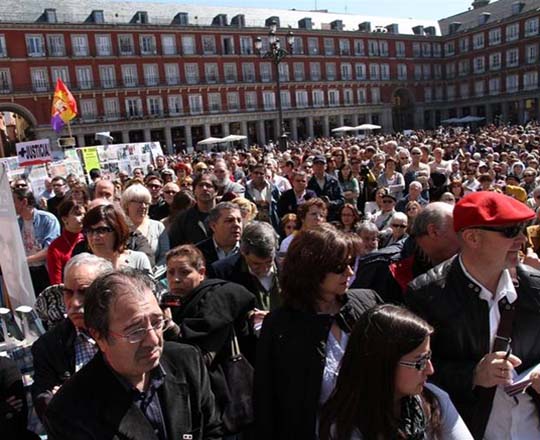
column 419, row 365
column 340, row 268
column 170, row 192
column 399, row 226
column 508, row 231
column 388, row 201
column 102, row 230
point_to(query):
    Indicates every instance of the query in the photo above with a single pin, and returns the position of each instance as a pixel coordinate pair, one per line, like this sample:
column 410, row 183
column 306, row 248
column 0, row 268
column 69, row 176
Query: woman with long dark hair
column 381, row 390
column 302, row 342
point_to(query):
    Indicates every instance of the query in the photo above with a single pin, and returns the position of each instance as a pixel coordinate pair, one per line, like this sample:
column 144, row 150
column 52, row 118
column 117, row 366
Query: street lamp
column 276, row 53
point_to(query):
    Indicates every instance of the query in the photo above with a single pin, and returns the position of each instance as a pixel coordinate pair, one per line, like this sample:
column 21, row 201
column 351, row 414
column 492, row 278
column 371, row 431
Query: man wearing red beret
column 485, row 307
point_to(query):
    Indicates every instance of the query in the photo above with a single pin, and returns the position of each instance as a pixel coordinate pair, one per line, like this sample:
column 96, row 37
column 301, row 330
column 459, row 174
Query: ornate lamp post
column 276, row 53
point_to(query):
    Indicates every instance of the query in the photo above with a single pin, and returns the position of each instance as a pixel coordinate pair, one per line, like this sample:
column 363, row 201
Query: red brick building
column 148, row 71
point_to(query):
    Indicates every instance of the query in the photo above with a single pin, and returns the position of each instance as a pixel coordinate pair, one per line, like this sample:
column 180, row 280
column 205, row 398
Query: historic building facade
column 144, row 71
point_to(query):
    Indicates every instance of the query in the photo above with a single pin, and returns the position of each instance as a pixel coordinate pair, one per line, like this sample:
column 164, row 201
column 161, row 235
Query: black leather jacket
column 449, row 301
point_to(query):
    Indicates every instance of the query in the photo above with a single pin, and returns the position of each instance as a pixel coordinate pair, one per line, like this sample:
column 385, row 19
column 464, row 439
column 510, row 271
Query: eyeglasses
column 170, row 192
column 416, row 153
column 508, row 231
column 399, row 226
column 340, row 268
column 102, row 230
column 154, row 186
column 388, row 201
column 419, row 365
column 139, row 334
column 528, row 175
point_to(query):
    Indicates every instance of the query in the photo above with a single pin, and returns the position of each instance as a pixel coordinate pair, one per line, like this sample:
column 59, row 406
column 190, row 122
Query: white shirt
column 509, row 420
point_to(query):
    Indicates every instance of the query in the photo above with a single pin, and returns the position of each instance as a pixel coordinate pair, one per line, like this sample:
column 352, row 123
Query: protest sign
column 90, row 158
column 33, row 152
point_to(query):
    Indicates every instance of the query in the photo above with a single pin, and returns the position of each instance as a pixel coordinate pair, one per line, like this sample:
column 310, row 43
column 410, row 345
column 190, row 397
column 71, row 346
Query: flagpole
column 69, row 129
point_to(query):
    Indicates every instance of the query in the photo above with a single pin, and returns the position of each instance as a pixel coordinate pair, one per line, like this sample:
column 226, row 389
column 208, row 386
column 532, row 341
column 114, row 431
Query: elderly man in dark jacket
column 485, row 308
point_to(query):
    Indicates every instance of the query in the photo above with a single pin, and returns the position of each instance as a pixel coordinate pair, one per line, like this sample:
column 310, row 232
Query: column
column 521, row 111
column 294, row 129
column 277, row 130
column 207, row 132
column 310, row 131
column 187, row 136
column 147, row 135
column 340, row 122
column 80, row 140
column 244, row 132
column 386, row 120
column 125, row 136
column 225, row 129
column 261, row 137
column 418, row 118
column 325, row 126
column 489, row 113
column 504, row 108
column 168, row 140
column 354, row 120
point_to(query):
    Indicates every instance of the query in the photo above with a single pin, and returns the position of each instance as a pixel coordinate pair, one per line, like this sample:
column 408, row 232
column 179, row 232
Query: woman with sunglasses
column 382, row 390
column 302, row 342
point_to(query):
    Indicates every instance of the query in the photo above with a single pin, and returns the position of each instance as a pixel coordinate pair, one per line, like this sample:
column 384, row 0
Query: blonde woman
column 248, row 209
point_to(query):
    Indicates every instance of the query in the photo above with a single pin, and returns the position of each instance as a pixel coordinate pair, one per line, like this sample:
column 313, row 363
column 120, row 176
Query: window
column 437, row 69
column 211, row 73
column 195, row 104
column 315, row 71
column 251, row 101
column 129, row 75
column 285, row 99
column 512, row 32
column 530, row 80
column 531, row 53
column 464, row 44
column 227, row 43
column 512, row 83
column 426, row 50
column 188, row 45
column 402, row 72
column 313, row 46
column 373, row 48
column 34, row 46
column 266, row 72
column 84, row 77
column 531, row 26
column 301, row 98
column 348, row 97
column 246, row 45
column 439, row 93
column 360, row 71
column 175, row 105
column 417, row 72
column 134, row 107
column 362, row 96
column 151, row 74
column 168, row 45
column 233, row 101
column 385, row 71
column 449, row 48
column 450, row 70
column 512, row 57
column 125, row 44
column 463, row 67
column 230, row 73
column 479, row 64
column 400, row 49
column 495, row 36
column 318, row 98
column 359, row 47
column 88, row 109
column 374, row 72
column 450, row 92
column 331, row 71
column 62, row 73
column 344, row 47
column 383, row 48
column 107, row 77
column 283, row 69
column 148, row 44
column 112, row 108
column 416, row 50
column 298, row 46
column 40, row 79
column 248, row 72
column 333, row 98
column 329, row 46
column 479, row 88
column 79, row 45
column 56, row 45
column 426, row 71
column 214, row 102
column 5, row 81
column 478, row 41
column 154, row 104
column 209, row 45
column 495, row 61
column 375, row 95
column 494, row 86
column 428, row 94
column 298, row 71
column 3, row 47
column 172, row 74
column 269, row 100
column 437, row 49
column 103, row 45
column 192, row 73
column 464, row 90
column 346, row 72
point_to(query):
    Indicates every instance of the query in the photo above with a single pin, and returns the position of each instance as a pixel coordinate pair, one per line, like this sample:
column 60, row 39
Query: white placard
column 33, row 152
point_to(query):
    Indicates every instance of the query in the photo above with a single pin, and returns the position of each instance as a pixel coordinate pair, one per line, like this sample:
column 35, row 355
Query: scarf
column 412, row 425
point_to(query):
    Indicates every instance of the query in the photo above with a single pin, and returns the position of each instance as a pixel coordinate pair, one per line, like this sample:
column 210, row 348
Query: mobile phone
column 169, row 300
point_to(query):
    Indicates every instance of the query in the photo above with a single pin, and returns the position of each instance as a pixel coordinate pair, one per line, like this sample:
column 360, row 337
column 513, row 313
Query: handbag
column 238, row 374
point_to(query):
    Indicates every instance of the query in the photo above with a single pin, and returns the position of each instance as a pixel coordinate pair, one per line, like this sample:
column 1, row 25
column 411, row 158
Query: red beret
column 488, row 208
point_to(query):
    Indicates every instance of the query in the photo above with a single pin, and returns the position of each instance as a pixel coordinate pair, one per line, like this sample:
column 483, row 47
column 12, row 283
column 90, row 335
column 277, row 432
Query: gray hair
column 98, row 264
column 137, row 193
column 436, row 213
column 399, row 216
column 366, row 226
column 260, row 239
column 215, row 213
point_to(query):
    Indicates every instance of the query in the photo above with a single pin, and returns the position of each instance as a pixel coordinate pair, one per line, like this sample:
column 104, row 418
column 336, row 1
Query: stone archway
column 403, row 109
column 17, row 124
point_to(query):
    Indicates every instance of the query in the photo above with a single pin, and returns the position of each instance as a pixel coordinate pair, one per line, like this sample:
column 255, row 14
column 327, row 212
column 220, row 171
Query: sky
column 421, row 9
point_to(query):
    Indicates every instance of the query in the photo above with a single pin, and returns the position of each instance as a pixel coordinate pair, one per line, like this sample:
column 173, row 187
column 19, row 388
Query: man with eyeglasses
column 484, row 306
column 66, row 347
column 136, row 386
column 158, row 209
column 60, row 189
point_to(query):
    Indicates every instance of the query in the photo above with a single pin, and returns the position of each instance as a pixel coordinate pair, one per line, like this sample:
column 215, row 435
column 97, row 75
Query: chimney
column 365, row 26
column 181, row 19
column 479, row 3
column 393, row 28
column 269, row 20
column 239, row 21
column 336, row 25
column 430, row 30
column 305, row 23
column 220, row 20
column 418, row 30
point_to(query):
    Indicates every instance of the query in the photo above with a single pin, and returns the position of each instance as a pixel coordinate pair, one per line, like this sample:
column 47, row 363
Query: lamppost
column 276, row 53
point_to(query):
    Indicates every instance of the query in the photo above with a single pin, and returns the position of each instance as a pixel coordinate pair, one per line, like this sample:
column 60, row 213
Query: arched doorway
column 16, row 125
column 402, row 110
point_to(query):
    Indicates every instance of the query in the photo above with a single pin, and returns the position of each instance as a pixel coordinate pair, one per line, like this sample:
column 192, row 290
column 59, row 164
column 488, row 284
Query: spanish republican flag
column 64, row 107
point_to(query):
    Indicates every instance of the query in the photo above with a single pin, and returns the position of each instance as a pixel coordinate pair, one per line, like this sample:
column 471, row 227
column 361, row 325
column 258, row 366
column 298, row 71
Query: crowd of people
column 377, row 288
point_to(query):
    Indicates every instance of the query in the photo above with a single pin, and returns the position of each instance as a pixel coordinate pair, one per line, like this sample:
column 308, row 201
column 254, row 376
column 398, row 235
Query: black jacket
column 94, row 405
column 287, row 201
column 208, row 250
column 290, row 364
column 332, row 189
column 54, row 362
column 189, row 227
column 449, row 301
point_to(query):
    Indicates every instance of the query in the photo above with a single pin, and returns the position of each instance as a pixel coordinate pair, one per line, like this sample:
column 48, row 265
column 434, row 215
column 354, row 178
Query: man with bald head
column 104, row 189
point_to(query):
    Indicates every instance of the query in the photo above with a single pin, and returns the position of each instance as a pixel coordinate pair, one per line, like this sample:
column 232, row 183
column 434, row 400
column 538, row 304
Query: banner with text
column 33, row 152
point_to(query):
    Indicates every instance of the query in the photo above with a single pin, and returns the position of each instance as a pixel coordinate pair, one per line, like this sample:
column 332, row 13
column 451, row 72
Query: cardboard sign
column 33, row 152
